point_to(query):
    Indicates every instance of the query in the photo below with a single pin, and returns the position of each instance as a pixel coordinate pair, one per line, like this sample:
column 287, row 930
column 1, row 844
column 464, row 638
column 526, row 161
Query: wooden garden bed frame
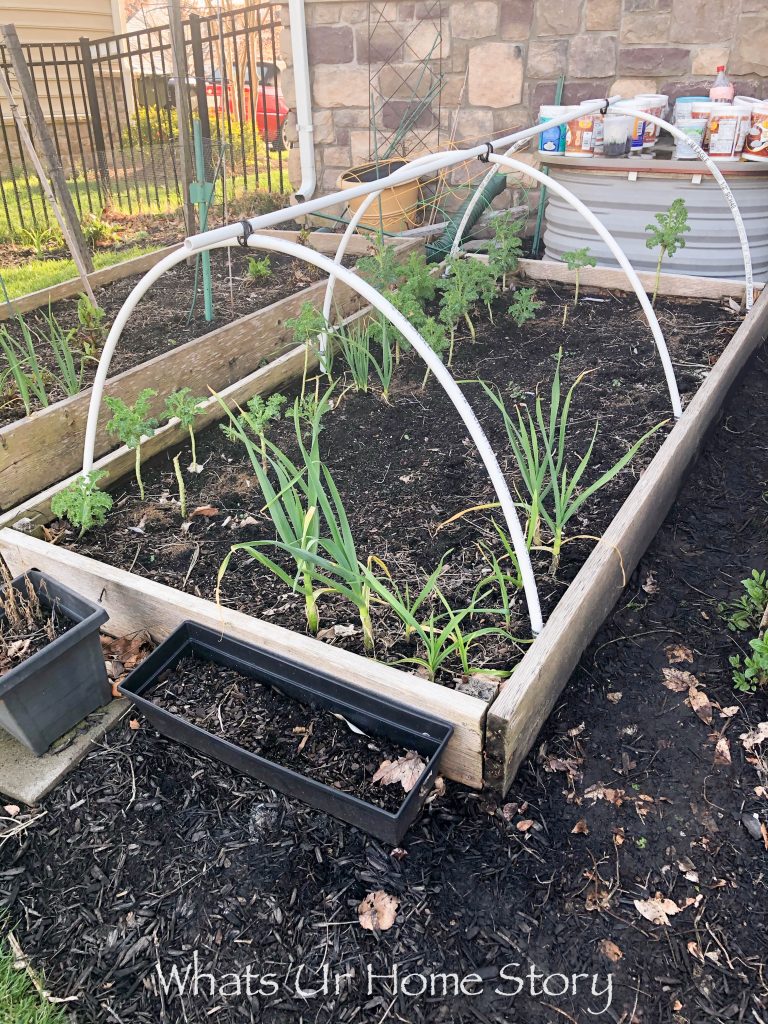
column 490, row 740
column 41, row 449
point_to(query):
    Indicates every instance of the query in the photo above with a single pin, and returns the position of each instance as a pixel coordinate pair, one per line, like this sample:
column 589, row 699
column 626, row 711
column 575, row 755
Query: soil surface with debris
column 405, row 468
column 36, row 626
column 257, row 717
column 634, row 802
column 165, row 319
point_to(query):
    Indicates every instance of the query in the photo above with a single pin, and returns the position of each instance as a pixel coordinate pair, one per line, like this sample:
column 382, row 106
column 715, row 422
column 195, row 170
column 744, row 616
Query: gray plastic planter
column 54, row 689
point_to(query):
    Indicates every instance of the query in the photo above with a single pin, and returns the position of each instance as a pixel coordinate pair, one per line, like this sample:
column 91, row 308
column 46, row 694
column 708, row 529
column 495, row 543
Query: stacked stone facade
column 501, row 60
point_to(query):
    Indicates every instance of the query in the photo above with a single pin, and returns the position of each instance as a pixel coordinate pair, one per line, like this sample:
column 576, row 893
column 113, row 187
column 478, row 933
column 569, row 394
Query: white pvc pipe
column 618, row 252
column 304, row 121
column 437, row 161
column 441, row 373
column 724, row 186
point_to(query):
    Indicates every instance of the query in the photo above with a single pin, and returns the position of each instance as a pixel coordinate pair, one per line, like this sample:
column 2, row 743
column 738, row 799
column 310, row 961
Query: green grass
column 20, row 212
column 37, row 274
column 19, row 1002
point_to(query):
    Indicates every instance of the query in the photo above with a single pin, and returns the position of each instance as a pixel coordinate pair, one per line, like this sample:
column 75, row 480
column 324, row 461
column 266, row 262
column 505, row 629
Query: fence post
column 94, row 110
column 64, row 208
column 183, row 109
column 202, row 99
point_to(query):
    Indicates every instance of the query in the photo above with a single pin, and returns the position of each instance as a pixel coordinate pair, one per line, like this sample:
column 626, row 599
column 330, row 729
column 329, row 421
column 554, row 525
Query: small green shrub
column 82, row 503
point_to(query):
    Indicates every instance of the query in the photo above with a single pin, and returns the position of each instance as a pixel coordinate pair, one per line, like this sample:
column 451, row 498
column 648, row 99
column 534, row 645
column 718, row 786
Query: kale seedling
column 419, row 282
column 576, row 260
column 132, row 423
column 184, row 407
column 668, row 234
column 92, row 329
column 82, row 503
column 524, row 306
column 256, row 418
column 259, row 270
column 485, row 283
column 753, row 671
column 305, row 328
column 505, row 247
column 381, row 268
column 459, row 290
column 433, row 332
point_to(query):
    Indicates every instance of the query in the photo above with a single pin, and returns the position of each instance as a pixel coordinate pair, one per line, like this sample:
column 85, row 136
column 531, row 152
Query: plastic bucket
column 579, row 135
column 756, row 142
column 637, row 134
column 724, row 129
column 656, row 104
column 693, row 127
column 553, row 139
column 684, row 106
column 396, row 207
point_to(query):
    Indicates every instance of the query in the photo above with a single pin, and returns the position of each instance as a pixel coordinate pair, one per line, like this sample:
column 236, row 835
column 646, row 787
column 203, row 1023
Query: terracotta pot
column 396, row 208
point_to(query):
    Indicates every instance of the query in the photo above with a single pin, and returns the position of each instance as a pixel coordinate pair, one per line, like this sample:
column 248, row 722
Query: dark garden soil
column 260, row 719
column 151, row 858
column 162, row 319
column 35, row 626
column 403, row 469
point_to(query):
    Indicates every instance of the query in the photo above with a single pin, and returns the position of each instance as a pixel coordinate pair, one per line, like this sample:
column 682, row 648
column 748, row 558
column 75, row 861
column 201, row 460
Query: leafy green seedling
column 459, row 291
column 256, row 418
column 419, row 281
column 132, row 423
column 486, row 284
column 82, row 503
column 524, row 306
column 506, row 246
column 92, row 329
column 668, row 234
column 183, row 406
column 752, row 672
column 433, row 332
column 381, row 267
column 577, row 259
column 305, row 328
column 747, row 611
column 259, row 270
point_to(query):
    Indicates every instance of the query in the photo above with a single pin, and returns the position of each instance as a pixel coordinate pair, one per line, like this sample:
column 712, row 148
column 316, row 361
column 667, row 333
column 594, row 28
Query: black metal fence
column 113, row 104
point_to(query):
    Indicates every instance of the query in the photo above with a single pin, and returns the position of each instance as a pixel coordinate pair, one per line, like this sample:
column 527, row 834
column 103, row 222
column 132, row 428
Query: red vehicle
column 270, row 112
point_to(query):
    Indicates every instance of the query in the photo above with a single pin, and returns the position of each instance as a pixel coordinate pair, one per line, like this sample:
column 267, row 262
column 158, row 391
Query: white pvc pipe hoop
column 441, row 373
column 618, row 252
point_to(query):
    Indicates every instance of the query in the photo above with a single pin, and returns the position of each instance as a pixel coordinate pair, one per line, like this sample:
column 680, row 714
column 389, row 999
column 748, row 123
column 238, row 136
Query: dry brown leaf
column 602, row 792
column 677, row 1005
column 134, row 724
column 701, row 704
column 650, row 586
column 757, row 735
column 405, row 770
column 208, row 511
column 610, row 950
column 723, row 751
column 677, row 654
column 569, row 765
column 678, row 680
column 11, row 810
column 597, row 899
column 398, row 853
column 577, row 730
column 438, row 789
column 508, row 811
column 730, row 711
column 657, row 909
column 378, row 911
column 524, row 825
column 614, row 697
column 686, row 865
column 580, row 828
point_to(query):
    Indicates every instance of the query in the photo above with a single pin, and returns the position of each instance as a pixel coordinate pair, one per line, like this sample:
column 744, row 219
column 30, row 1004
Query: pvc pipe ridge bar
column 433, row 162
column 618, row 252
column 724, row 186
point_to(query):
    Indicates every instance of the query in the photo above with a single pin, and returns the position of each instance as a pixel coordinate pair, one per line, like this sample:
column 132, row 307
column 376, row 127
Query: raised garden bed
column 412, row 470
column 161, row 350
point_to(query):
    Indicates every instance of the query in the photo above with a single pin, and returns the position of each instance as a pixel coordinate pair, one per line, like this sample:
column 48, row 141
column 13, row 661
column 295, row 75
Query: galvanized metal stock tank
column 625, row 195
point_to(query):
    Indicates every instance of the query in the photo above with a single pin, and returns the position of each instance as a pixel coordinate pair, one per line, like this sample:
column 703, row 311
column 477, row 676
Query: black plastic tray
column 373, row 715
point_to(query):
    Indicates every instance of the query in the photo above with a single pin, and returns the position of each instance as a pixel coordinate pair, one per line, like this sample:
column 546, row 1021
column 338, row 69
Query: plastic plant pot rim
column 338, row 696
column 80, row 625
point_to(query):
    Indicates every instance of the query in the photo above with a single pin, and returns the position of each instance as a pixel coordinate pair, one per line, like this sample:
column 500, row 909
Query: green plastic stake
column 201, row 193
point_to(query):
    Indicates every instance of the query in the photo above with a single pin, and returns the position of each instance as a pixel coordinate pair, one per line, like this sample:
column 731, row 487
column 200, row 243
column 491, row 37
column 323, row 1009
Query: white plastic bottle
column 722, row 91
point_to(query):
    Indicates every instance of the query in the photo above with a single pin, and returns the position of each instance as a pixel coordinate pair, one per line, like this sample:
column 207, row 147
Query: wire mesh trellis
column 111, row 105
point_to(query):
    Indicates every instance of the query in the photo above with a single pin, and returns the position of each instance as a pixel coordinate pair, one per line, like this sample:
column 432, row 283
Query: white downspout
column 304, row 127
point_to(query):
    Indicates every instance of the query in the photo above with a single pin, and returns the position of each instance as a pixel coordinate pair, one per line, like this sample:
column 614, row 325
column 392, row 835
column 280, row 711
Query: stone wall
column 501, row 60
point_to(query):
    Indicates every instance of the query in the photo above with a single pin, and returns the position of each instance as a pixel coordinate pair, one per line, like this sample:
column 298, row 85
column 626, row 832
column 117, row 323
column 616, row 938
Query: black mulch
column 149, row 855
